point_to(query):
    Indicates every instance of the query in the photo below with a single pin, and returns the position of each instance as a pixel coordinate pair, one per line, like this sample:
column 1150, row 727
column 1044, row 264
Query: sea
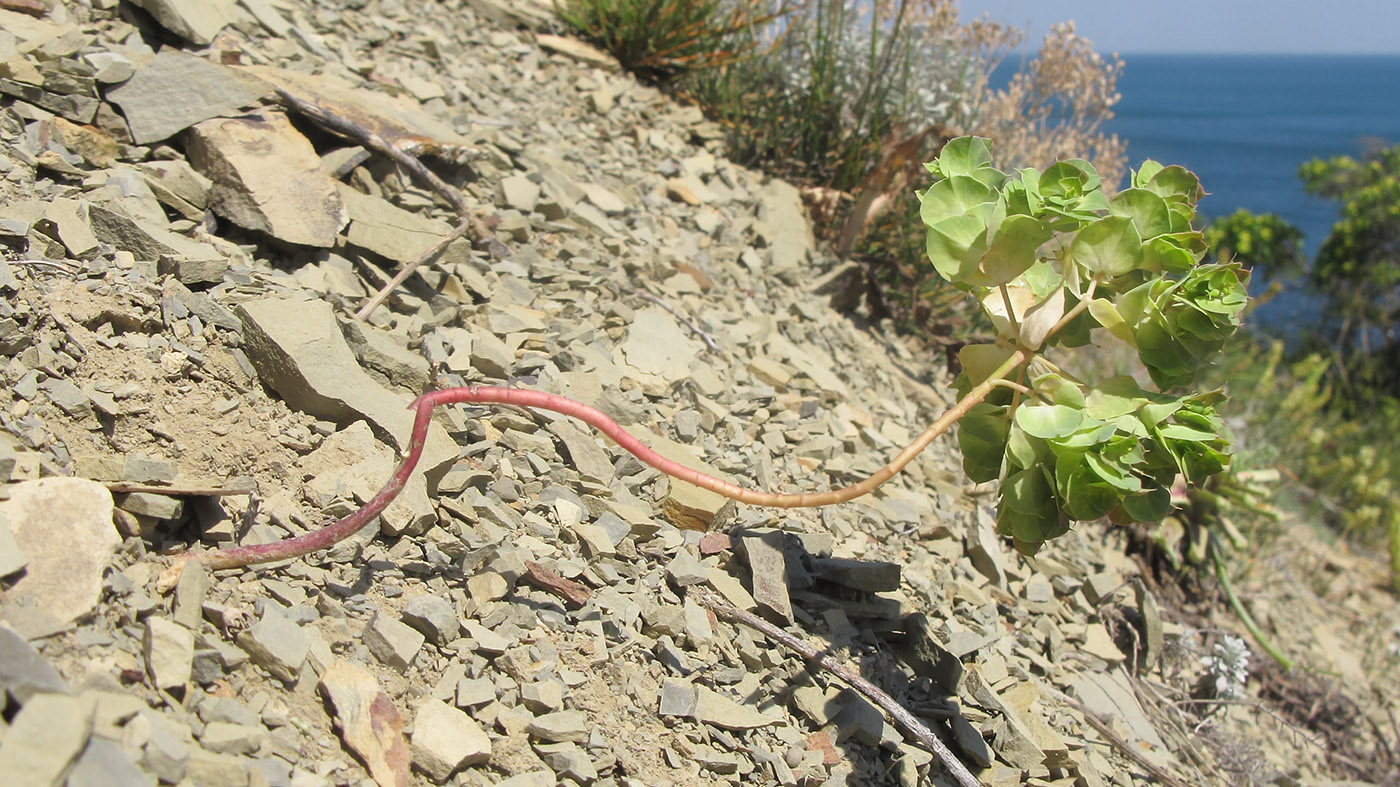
column 1244, row 124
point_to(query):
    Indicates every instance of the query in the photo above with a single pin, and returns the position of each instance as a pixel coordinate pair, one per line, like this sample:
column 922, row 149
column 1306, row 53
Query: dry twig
column 481, row 234
column 903, row 718
column 1162, row 775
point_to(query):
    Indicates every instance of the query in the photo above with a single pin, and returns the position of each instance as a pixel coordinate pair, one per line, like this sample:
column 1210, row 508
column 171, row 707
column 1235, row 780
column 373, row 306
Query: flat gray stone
column 382, row 354
column 384, row 228
column 67, row 397
column 686, row 570
column 718, row 710
column 168, row 648
column 984, row 549
column 519, row 192
column 589, row 458
column 474, row 691
column 141, row 469
column 208, row 769
column 677, row 698
column 152, row 505
column 658, row 345
column 23, row 671
column 226, row 710
column 49, row 732
column 223, row 737
column 819, row 705
column 784, row 225
column 145, row 239
column 299, row 351
column 560, row 726
column 12, row 558
column 569, row 761
column 392, row 642
column 64, row 526
column 445, row 740
column 175, row 91
column 167, row 748
column 768, row 568
column 276, row 644
column 178, row 186
column 267, row 178
column 73, row 228
column 190, row 593
column 104, row 763
column 970, row 742
column 196, row 21
column 434, row 616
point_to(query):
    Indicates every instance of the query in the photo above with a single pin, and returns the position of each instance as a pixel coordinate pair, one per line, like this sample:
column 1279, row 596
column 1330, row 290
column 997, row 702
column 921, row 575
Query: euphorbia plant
column 1055, row 263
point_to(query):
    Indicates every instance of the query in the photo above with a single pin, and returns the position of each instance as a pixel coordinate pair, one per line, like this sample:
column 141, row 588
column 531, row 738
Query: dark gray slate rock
column 268, row 178
column 298, row 350
column 23, row 672
column 175, row 91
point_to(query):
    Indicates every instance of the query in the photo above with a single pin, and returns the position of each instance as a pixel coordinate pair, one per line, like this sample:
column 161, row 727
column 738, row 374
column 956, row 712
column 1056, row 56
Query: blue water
column 1243, row 124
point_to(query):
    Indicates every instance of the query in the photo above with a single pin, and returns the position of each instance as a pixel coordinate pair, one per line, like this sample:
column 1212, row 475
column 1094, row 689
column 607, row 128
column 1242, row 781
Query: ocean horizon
column 1244, row 123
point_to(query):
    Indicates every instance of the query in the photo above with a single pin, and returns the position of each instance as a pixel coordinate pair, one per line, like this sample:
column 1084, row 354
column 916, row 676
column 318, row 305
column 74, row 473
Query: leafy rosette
column 1066, row 456
column 1178, row 326
column 1055, row 263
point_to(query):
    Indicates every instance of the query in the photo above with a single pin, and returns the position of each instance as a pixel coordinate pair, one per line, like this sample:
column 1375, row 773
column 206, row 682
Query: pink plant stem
column 423, row 407
column 336, row 531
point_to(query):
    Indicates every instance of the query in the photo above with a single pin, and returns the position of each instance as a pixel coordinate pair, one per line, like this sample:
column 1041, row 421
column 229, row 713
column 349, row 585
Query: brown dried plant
column 1055, row 107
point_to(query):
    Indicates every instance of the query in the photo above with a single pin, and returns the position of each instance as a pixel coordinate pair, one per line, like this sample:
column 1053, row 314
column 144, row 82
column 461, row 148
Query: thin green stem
column 1222, row 573
column 1076, row 311
column 1011, row 313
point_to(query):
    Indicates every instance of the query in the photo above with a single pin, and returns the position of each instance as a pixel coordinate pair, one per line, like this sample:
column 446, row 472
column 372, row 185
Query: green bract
column 1055, row 262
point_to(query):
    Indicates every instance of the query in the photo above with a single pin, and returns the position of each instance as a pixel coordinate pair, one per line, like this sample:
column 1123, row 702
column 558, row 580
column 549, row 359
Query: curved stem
column 423, row 405
column 1263, row 639
column 1010, row 311
column 1076, row 311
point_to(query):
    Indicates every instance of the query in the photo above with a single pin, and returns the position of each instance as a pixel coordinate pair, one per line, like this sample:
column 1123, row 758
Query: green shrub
column 1343, row 468
column 661, row 40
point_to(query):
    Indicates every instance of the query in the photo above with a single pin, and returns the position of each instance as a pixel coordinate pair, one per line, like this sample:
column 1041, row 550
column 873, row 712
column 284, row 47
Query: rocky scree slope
column 183, row 260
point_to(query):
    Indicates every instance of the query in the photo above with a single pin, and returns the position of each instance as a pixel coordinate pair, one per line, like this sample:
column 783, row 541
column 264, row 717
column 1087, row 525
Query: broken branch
column 906, row 720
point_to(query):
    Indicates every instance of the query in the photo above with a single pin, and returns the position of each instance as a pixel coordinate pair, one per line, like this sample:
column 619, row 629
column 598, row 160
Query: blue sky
column 1252, row 26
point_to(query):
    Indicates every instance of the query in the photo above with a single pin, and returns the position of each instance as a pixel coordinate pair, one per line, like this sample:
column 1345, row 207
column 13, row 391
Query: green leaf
column 980, row 360
column 1111, row 246
column 962, row 156
column 954, row 196
column 1148, row 211
column 1145, row 173
column 1084, row 494
column 1027, row 510
column 1149, row 507
column 1165, row 254
column 1049, row 421
column 1168, row 362
column 1024, row 451
column 1091, row 433
column 952, row 242
column 982, row 438
column 1013, row 248
column 1106, row 314
column 1182, row 432
column 1058, row 389
column 1043, row 278
column 1176, row 184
